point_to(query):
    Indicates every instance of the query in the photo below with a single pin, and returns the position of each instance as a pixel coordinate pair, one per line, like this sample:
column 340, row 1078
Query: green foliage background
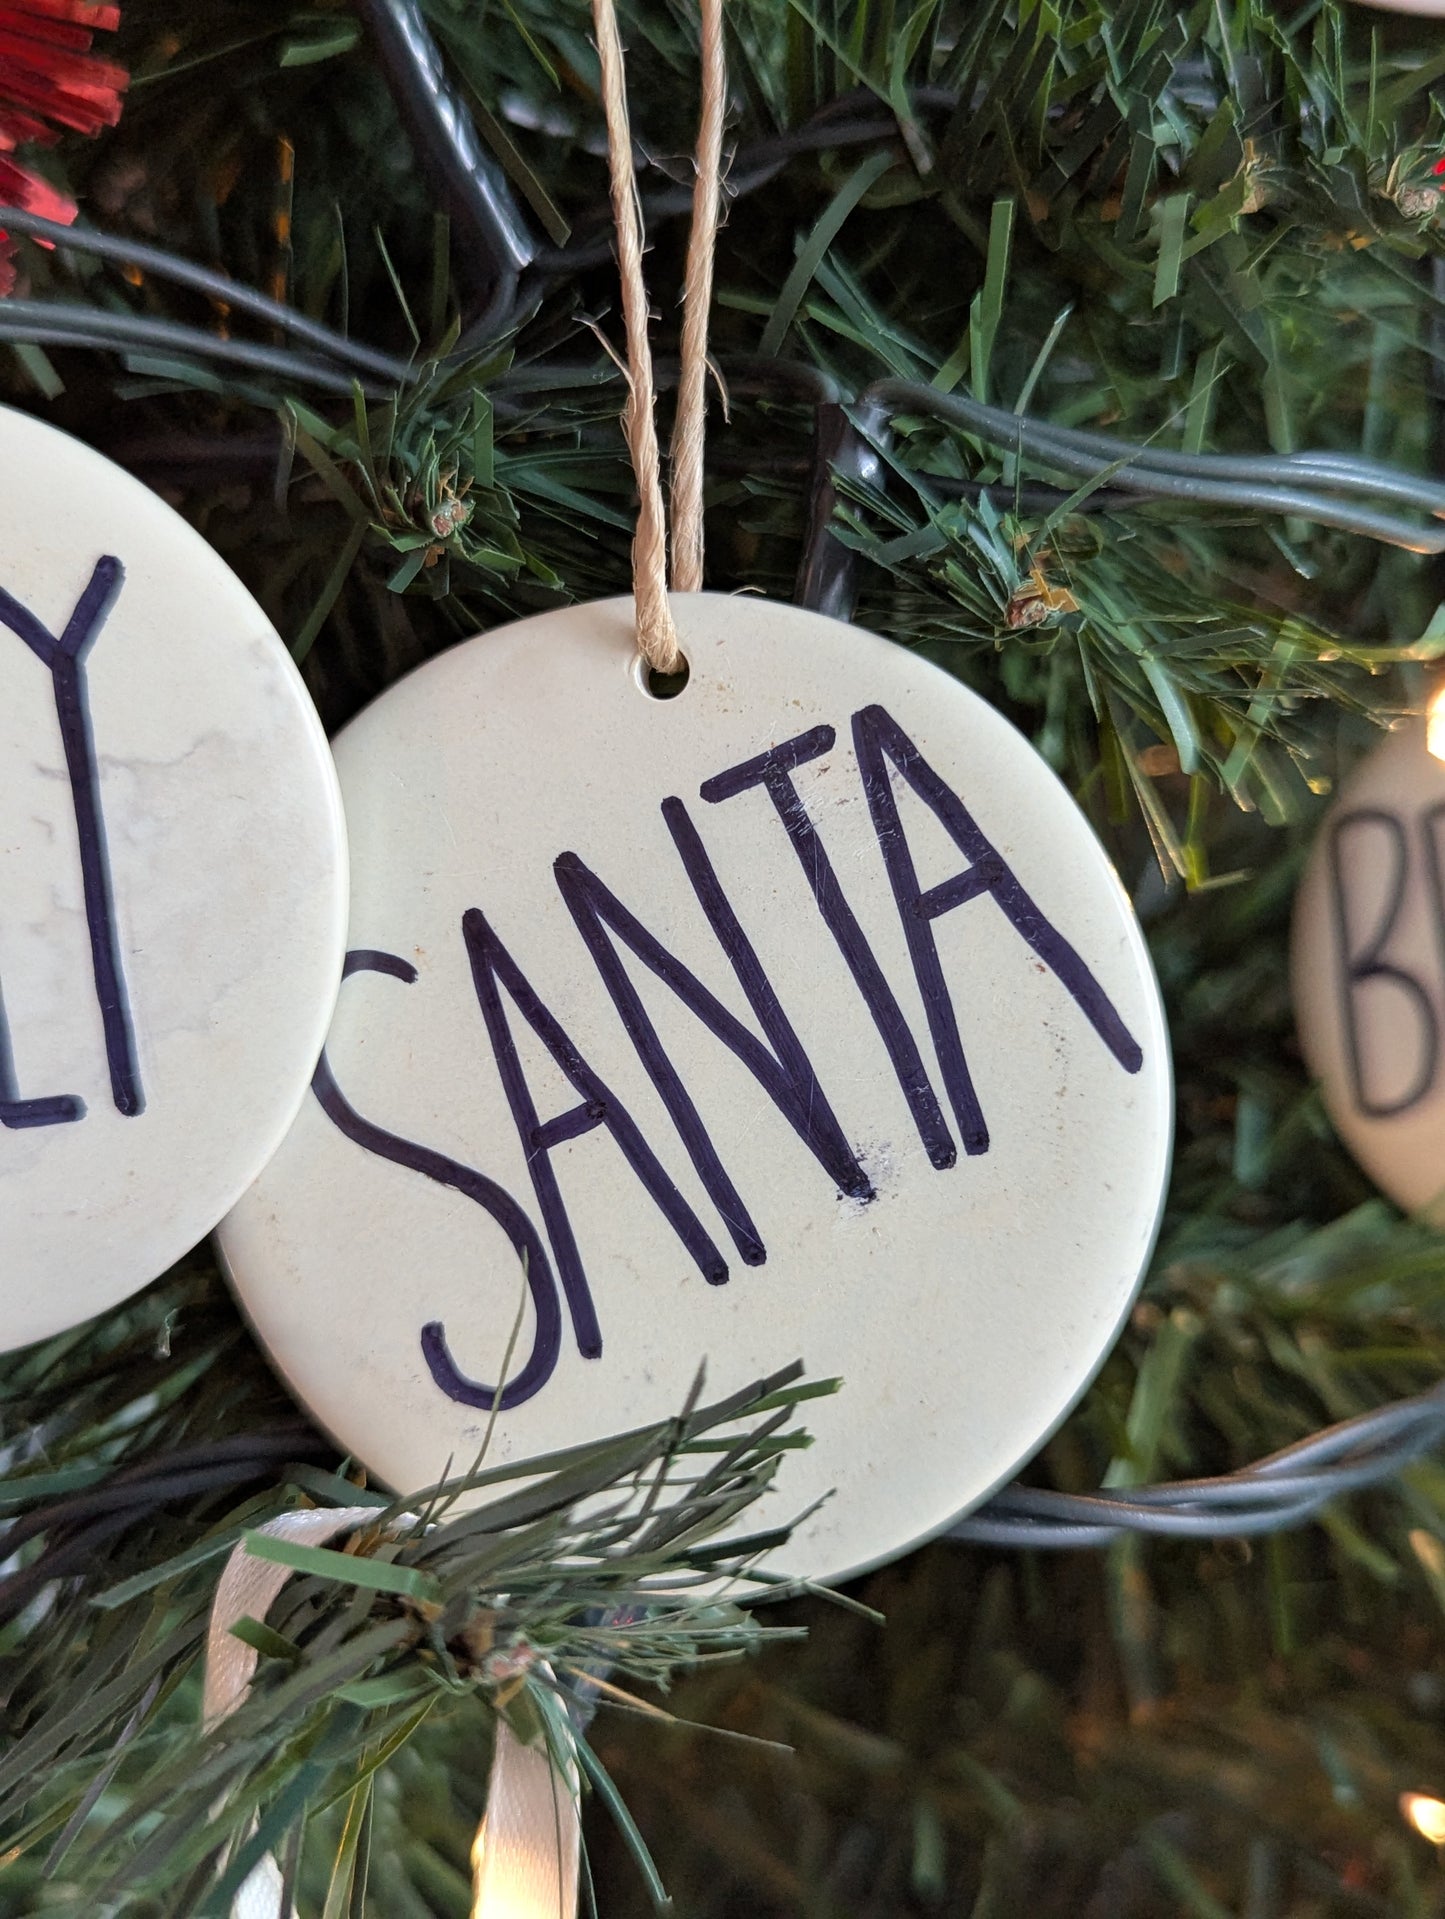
column 1209, row 227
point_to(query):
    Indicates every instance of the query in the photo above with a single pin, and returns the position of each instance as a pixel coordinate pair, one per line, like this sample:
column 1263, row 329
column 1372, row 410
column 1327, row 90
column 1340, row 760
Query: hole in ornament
column 662, row 686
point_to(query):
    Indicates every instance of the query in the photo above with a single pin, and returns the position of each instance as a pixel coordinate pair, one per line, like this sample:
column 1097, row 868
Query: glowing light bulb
column 1425, row 1814
column 1435, row 722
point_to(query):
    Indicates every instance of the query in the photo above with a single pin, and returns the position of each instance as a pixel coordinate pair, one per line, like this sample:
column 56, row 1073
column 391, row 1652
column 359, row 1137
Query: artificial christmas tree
column 1091, row 353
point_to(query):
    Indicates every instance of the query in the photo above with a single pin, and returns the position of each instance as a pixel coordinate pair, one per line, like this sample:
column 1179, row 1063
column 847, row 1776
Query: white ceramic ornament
column 172, row 885
column 1368, row 965
column 798, row 1016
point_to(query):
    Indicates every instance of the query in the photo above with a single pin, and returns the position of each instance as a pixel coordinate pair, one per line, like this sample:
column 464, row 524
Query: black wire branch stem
column 70, row 323
column 846, row 447
column 234, row 294
column 831, row 129
column 1205, row 479
column 1286, row 1489
column 497, row 242
column 1349, row 472
column 74, row 1528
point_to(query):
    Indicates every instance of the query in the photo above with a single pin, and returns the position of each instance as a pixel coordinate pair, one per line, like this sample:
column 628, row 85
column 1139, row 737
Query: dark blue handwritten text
column 65, row 658
column 774, row 1055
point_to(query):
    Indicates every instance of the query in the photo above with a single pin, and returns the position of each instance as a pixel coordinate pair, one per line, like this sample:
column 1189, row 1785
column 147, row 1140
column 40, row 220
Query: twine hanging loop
column 656, row 632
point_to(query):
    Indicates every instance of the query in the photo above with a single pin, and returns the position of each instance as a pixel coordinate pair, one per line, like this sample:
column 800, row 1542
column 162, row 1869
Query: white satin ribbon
column 526, row 1854
column 527, row 1850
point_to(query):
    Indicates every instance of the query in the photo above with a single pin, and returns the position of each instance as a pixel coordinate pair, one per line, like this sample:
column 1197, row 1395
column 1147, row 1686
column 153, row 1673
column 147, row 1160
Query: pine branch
column 616, row 1558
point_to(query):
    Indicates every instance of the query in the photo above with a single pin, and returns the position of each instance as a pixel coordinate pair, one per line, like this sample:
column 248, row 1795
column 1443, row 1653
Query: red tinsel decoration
column 50, row 83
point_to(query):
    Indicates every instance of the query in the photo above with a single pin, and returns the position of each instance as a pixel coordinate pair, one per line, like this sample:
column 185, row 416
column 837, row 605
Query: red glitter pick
column 50, row 83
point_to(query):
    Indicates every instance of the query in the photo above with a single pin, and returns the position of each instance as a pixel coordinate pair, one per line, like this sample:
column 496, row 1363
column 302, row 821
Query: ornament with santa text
column 798, row 1015
column 172, row 885
column 1368, row 966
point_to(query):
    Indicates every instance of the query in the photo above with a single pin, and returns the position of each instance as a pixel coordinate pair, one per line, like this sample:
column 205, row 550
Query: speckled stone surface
column 172, row 884
column 597, row 1014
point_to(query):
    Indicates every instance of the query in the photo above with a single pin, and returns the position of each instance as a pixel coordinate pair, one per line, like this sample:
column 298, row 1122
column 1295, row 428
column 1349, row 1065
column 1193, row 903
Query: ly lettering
column 65, row 657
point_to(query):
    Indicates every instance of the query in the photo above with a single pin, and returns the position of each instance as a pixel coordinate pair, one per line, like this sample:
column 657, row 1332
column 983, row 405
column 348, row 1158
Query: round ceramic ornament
column 797, row 1016
column 172, row 885
column 1368, row 966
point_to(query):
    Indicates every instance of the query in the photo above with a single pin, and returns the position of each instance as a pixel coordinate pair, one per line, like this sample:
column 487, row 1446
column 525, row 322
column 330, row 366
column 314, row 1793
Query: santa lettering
column 770, row 1048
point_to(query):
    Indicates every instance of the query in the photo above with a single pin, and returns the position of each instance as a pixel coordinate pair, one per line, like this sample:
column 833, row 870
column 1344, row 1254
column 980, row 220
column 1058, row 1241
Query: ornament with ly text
column 1368, row 965
column 172, row 885
column 798, row 1013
